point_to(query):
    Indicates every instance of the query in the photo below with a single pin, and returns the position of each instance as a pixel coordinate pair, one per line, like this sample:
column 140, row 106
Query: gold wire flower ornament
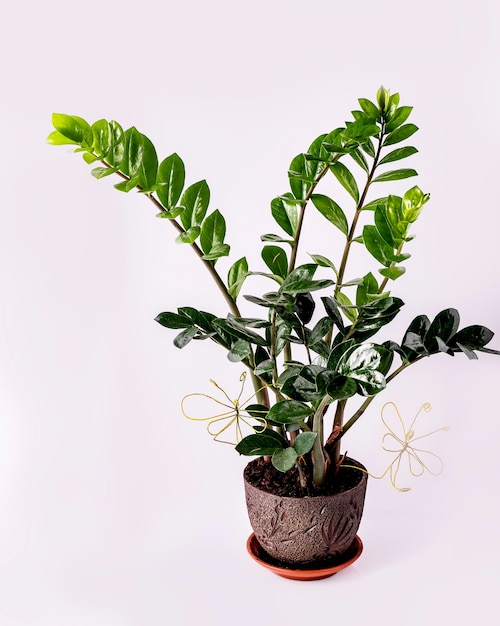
column 237, row 414
column 418, row 460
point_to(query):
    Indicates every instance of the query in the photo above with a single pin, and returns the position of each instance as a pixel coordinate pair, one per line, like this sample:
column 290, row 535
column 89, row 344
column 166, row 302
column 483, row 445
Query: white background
column 115, row 511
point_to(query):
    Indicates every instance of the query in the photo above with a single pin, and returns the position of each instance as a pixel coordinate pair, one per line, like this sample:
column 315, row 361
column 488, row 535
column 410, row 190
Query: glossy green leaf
column 384, row 228
column 239, row 351
column 289, row 412
column 213, row 231
column 474, row 337
column 375, row 245
column 148, row 167
column 358, row 156
column 55, row 138
column 300, row 280
column 333, row 312
column 322, row 327
column 331, row 211
column 232, row 326
column 189, row 236
column 236, row 276
column 170, row 182
column 373, row 204
column 395, row 175
column 369, row 108
column 346, row 179
column 322, row 261
column 173, row 320
column 102, row 172
column 304, row 442
column 101, row 138
column 399, row 117
column 349, row 310
column 195, row 201
column 400, row 134
column 398, row 154
column 392, row 272
column 116, row 152
column 219, row 250
column 260, row 444
column 74, row 128
column 443, row 326
column 283, row 460
column 276, row 260
column 285, row 213
column 300, row 178
column 134, row 149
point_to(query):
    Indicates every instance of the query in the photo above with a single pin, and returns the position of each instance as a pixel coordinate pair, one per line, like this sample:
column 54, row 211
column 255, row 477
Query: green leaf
column 148, row 167
column 358, row 156
column 170, row 182
column 102, row 172
column 116, row 152
column 369, row 108
column 263, row 444
column 393, row 272
column 185, row 337
column 349, row 310
column 74, row 128
column 236, row 276
column 400, row 134
column 474, row 337
column 289, row 412
column 134, row 149
column 322, row 327
column 301, row 177
column 375, row 245
column 384, row 228
column 398, row 154
column 373, row 204
column 331, row 211
column 400, row 116
column 102, row 138
column 283, row 460
column 173, row 320
column 189, row 236
column 300, row 280
column 240, row 350
column 57, row 139
column 304, row 442
column 322, row 261
column 232, row 326
column 219, row 250
column 346, row 179
column 213, row 231
column 395, row 175
column 195, row 201
column 443, row 326
column 285, row 213
column 276, row 260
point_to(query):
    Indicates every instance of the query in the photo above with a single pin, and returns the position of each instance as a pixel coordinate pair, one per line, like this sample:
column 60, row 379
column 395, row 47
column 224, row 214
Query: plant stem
column 359, row 208
column 319, row 463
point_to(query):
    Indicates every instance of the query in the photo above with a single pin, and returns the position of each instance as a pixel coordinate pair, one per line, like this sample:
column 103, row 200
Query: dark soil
column 263, row 475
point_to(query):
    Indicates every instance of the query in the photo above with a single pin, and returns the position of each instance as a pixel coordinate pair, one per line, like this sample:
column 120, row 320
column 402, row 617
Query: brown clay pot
column 306, row 530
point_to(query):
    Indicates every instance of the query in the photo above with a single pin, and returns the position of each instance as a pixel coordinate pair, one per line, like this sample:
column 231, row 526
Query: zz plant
column 301, row 370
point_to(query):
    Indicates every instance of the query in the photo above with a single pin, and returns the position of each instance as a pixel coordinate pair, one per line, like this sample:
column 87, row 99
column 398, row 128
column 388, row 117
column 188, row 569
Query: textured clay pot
column 307, row 530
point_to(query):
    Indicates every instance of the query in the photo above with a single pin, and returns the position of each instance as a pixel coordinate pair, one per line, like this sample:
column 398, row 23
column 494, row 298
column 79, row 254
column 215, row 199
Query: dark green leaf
column 444, row 326
column 276, row 260
column 300, row 280
column 346, row 179
column 284, row 211
column 473, row 337
column 375, row 245
column 331, row 211
column 263, row 444
column 289, row 412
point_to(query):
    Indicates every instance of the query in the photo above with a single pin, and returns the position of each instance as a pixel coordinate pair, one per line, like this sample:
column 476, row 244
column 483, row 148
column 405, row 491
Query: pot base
column 314, row 571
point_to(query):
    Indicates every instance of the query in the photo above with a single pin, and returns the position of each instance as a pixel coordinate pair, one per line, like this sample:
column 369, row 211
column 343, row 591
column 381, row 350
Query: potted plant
column 309, row 344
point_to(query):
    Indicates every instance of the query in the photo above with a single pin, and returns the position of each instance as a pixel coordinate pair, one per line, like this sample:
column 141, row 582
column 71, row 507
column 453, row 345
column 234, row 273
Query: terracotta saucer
column 316, row 571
